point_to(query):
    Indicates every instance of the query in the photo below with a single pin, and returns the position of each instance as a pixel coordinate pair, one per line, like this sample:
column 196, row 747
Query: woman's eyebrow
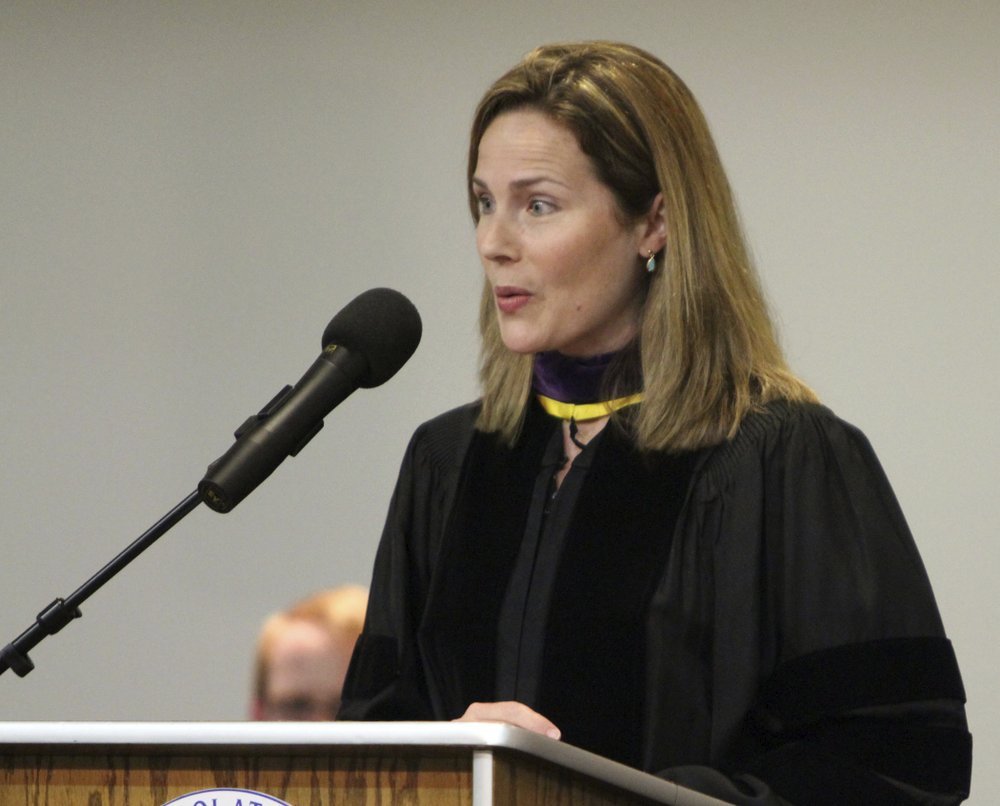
column 523, row 182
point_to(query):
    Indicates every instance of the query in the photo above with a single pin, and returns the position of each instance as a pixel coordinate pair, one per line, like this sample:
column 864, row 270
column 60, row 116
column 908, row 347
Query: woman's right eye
column 485, row 203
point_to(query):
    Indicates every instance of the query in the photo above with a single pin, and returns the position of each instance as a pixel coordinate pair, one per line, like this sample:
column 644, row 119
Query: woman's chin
column 523, row 344
column 522, row 350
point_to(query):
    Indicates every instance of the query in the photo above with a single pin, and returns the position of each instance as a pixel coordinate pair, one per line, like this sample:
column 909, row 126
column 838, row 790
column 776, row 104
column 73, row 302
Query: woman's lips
column 510, row 298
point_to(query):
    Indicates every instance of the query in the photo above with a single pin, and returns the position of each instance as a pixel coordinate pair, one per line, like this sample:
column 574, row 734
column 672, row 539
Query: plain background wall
column 190, row 190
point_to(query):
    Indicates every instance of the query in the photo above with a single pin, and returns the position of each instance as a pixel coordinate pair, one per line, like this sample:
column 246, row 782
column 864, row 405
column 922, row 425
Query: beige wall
column 190, row 190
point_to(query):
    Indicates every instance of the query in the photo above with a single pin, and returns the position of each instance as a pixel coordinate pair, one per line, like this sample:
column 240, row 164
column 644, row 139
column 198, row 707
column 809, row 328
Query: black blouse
column 525, row 609
column 542, row 619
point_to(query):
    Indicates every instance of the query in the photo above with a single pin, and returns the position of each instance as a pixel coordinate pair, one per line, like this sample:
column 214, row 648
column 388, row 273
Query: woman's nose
column 496, row 239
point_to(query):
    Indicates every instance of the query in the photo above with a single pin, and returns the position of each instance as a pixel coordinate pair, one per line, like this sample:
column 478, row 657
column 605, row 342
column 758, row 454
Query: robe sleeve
column 826, row 627
column 385, row 680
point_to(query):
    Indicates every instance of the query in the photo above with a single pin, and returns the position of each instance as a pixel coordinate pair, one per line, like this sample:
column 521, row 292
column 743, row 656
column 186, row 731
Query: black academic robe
column 791, row 647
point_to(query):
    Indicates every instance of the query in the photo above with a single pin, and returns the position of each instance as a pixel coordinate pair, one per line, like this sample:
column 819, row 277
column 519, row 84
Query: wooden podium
column 312, row 764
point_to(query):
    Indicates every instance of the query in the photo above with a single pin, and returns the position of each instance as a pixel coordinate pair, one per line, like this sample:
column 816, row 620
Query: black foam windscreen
column 383, row 326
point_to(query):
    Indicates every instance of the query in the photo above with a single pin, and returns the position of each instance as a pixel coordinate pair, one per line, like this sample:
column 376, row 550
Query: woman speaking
column 647, row 536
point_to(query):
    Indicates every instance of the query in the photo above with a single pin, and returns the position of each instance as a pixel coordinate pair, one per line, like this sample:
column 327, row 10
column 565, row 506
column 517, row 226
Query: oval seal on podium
column 226, row 797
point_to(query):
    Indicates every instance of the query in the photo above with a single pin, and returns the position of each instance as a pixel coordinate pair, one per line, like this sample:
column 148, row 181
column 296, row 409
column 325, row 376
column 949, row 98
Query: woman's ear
column 653, row 232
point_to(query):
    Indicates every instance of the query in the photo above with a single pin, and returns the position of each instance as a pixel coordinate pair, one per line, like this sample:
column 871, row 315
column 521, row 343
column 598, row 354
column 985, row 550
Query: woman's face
column 566, row 274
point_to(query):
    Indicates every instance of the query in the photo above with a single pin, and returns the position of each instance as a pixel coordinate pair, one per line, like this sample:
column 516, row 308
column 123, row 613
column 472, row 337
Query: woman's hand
column 513, row 713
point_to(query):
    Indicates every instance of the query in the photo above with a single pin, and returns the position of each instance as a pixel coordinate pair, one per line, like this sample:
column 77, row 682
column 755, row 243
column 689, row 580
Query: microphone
column 363, row 346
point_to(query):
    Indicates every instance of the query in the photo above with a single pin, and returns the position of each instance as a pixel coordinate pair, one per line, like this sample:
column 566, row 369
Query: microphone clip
column 269, row 410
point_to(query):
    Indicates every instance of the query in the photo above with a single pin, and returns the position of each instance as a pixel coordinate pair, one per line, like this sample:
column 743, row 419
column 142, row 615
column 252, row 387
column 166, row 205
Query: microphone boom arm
column 62, row 611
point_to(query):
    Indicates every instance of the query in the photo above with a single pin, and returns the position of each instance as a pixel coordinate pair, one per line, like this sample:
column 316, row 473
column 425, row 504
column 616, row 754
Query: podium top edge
column 258, row 736
column 263, row 734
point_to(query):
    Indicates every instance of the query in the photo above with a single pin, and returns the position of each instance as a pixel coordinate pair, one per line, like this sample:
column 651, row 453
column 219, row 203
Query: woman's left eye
column 540, row 207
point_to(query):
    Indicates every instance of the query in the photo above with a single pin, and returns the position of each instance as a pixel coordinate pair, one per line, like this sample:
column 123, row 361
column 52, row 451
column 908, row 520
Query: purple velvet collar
column 568, row 379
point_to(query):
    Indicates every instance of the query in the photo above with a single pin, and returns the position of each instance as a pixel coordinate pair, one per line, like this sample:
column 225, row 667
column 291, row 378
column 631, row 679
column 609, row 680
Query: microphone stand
column 62, row 611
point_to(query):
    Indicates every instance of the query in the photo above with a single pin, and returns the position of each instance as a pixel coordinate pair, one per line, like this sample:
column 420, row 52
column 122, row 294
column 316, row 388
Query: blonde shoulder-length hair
column 706, row 349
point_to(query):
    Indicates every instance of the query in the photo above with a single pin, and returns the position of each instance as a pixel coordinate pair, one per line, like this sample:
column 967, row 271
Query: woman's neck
column 569, row 379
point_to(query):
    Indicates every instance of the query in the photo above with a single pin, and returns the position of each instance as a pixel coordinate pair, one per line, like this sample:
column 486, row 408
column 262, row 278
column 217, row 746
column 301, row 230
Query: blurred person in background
column 303, row 654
